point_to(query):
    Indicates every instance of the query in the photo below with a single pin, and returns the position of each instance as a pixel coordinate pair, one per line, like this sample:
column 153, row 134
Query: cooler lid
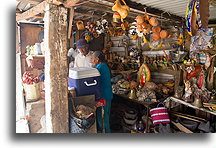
column 83, row 72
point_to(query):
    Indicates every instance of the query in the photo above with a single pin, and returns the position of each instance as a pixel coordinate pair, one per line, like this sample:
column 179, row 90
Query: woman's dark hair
column 99, row 55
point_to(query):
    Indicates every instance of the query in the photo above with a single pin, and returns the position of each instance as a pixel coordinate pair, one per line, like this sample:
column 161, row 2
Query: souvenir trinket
column 188, row 92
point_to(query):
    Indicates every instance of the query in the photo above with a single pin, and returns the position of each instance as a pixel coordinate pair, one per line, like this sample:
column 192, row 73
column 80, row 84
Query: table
column 146, row 104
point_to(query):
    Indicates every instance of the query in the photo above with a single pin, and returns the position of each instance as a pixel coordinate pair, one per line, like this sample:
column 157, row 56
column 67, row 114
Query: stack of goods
column 153, row 34
column 122, row 87
column 122, row 63
column 138, row 86
column 130, row 119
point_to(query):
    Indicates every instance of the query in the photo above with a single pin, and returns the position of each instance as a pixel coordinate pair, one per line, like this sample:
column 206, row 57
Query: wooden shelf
column 123, row 72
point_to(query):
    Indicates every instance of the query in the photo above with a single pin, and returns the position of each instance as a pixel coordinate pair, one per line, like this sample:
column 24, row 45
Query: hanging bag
column 159, row 114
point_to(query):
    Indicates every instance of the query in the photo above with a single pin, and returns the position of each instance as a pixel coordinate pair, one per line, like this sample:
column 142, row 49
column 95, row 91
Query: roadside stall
column 162, row 65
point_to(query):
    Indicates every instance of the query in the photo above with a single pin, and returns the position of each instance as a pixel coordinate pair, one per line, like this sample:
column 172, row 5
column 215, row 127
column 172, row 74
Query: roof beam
column 34, row 2
column 32, row 12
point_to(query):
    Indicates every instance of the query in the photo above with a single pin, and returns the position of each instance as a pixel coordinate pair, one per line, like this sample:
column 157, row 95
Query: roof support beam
column 32, row 12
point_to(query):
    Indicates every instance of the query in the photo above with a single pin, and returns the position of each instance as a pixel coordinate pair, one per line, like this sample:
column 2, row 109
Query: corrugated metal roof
column 177, row 7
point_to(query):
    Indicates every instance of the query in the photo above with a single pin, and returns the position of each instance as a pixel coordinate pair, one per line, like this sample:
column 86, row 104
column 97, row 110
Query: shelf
column 146, row 104
column 189, row 105
column 123, row 72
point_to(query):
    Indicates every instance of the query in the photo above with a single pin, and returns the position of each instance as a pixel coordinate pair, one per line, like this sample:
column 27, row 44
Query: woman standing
column 98, row 61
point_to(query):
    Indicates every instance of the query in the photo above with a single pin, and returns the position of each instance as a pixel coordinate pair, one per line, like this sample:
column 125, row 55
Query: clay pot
column 139, row 27
column 164, row 34
column 153, row 21
column 140, row 19
column 144, row 25
column 125, row 25
column 155, row 36
column 147, row 29
column 156, row 29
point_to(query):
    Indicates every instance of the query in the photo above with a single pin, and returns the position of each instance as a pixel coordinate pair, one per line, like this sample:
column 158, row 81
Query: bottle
column 140, row 127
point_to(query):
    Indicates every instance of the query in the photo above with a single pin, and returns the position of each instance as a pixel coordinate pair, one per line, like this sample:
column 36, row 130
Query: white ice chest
column 85, row 80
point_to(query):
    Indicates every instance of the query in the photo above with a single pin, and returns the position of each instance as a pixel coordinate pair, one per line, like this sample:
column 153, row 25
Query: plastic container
column 140, row 127
column 32, row 91
column 85, row 80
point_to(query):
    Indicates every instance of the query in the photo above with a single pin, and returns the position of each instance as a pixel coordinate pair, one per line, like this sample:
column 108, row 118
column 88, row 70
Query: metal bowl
column 178, row 56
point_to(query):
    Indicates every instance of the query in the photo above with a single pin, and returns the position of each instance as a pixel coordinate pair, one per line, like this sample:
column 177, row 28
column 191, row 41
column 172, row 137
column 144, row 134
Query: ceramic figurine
column 179, row 92
column 201, row 79
column 188, row 92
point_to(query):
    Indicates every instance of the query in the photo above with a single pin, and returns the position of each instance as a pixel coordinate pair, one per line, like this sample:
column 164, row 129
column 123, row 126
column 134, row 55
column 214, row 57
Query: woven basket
column 159, row 114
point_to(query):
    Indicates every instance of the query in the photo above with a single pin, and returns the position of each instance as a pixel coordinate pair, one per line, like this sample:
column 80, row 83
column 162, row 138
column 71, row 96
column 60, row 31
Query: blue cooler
column 85, row 80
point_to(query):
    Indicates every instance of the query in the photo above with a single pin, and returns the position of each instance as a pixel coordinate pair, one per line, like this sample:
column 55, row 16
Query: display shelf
column 123, row 72
column 189, row 105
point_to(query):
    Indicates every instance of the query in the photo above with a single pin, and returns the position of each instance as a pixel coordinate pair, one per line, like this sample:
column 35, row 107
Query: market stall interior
column 161, row 56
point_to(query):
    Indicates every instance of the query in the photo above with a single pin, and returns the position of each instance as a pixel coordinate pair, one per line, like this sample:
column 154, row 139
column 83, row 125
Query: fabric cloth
column 83, row 61
column 106, row 117
column 106, row 93
column 106, row 87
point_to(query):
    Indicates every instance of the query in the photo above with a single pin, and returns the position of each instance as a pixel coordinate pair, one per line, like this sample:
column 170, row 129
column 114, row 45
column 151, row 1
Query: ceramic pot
column 164, row 34
column 153, row 21
column 156, row 29
column 155, row 36
column 140, row 19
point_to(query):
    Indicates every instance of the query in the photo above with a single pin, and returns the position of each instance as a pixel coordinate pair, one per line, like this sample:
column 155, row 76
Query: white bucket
column 32, row 91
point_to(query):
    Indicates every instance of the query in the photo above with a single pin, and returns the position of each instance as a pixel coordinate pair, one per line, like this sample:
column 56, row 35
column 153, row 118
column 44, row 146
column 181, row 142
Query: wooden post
column 70, row 21
column 56, row 69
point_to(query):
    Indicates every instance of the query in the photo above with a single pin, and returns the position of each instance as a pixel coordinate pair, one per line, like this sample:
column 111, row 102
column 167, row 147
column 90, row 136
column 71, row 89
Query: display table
column 189, row 105
column 145, row 104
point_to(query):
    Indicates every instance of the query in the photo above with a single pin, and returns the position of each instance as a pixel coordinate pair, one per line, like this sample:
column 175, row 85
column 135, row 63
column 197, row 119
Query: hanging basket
column 159, row 114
